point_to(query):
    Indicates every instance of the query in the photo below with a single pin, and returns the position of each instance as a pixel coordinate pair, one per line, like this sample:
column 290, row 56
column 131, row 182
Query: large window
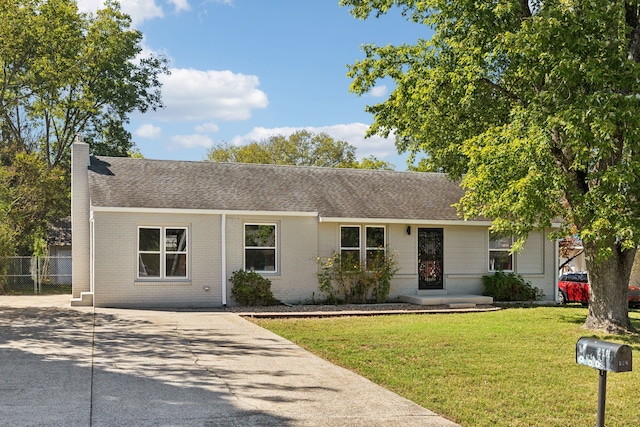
column 162, row 252
column 260, row 250
column 351, row 245
column 500, row 256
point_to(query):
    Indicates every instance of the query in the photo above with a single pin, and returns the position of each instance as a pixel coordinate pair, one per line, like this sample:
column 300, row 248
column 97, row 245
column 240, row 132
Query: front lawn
column 514, row 367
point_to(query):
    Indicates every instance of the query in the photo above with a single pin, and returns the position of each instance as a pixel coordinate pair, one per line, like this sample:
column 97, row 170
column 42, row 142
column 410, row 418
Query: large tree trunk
column 609, row 281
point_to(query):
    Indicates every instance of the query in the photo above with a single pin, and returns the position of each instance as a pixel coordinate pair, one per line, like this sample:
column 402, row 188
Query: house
column 170, row 233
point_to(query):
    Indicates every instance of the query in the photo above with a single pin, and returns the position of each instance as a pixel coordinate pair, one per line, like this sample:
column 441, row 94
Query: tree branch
column 510, row 95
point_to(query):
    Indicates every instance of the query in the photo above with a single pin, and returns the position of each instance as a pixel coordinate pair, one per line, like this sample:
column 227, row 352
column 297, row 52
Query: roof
column 60, row 232
column 118, row 182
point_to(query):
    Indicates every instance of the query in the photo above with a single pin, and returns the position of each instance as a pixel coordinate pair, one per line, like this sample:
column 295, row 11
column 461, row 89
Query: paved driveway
column 63, row 366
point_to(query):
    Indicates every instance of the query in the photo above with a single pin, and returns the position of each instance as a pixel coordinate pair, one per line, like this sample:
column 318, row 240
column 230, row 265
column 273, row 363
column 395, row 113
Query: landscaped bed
column 512, row 367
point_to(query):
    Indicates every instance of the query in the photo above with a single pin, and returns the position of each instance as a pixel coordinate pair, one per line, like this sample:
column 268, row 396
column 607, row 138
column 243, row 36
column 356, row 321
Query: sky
column 243, row 70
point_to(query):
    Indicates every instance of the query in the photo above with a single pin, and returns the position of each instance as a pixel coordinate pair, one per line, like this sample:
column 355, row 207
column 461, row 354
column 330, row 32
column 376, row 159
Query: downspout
column 555, row 270
column 92, row 253
column 223, row 257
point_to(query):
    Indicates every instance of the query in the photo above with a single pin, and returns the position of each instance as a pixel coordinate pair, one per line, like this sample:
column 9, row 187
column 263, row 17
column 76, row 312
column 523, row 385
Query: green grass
column 514, row 367
column 45, row 289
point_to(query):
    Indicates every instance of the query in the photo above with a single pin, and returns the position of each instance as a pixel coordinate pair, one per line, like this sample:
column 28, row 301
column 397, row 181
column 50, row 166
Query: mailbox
column 603, row 355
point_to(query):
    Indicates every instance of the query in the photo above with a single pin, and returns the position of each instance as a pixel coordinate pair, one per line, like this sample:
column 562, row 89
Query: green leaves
column 31, row 196
column 302, row 148
column 64, row 72
column 538, row 108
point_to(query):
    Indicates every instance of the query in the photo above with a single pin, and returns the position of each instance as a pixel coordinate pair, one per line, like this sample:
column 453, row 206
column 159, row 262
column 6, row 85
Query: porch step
column 452, row 300
column 85, row 300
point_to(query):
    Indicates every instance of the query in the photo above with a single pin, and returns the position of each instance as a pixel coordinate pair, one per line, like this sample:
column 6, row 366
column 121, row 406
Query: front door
column 430, row 258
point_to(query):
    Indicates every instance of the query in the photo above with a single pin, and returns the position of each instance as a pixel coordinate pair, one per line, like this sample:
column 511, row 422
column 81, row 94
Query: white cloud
column 353, row 133
column 138, row 10
column 179, row 142
column 379, row 91
column 148, row 131
column 180, row 5
column 191, row 95
column 207, row 128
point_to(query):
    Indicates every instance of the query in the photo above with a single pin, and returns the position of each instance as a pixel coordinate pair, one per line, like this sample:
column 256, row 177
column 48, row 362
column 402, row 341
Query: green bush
column 250, row 288
column 347, row 280
column 510, row 287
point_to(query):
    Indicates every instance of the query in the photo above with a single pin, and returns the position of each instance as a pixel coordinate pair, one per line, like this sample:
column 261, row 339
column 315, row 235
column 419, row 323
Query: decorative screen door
column 430, row 258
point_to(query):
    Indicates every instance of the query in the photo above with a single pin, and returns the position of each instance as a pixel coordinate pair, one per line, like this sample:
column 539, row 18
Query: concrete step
column 451, row 299
column 85, row 300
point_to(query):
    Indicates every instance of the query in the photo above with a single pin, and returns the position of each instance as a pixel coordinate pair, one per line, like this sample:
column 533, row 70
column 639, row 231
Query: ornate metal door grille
column 430, row 258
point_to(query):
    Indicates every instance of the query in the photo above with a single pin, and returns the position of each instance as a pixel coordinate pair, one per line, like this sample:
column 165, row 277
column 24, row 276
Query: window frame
column 367, row 248
column 163, row 252
column 496, row 237
column 362, row 248
column 276, row 256
column 350, row 249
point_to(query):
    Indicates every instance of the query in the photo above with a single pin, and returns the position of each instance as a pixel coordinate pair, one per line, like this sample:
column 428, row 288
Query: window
column 500, row 256
column 375, row 243
column 351, row 245
column 162, row 252
column 260, row 247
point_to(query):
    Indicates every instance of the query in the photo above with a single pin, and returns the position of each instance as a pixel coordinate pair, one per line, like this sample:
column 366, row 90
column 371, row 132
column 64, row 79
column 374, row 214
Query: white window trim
column 350, row 248
column 163, row 254
column 508, row 251
column 362, row 243
column 274, row 247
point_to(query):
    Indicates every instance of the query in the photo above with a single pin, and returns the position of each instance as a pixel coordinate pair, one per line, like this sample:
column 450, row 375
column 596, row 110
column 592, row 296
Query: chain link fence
column 35, row 275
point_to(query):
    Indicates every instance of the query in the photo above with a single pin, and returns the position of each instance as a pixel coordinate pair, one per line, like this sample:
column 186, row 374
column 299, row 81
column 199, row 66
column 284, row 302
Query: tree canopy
column 302, row 148
column 62, row 73
column 65, row 72
column 535, row 106
column 31, row 196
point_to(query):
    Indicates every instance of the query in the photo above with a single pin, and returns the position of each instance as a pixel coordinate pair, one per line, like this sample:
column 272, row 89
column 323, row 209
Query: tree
column 302, row 148
column 31, row 196
column 64, row 72
column 535, row 106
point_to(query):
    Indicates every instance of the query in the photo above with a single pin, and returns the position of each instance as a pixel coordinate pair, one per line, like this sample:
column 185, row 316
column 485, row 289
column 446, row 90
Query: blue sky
column 243, row 70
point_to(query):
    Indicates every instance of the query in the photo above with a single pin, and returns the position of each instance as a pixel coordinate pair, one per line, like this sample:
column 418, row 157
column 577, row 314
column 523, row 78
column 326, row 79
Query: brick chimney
column 80, row 227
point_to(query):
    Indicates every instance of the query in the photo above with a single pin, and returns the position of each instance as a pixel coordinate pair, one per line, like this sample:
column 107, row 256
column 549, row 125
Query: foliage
column 534, row 106
column 64, row 72
column 512, row 367
column 510, row 287
column 345, row 279
column 302, row 148
column 31, row 196
column 250, row 288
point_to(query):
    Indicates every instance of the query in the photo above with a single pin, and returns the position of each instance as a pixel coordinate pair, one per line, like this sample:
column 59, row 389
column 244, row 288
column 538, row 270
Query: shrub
column 345, row 279
column 510, row 287
column 250, row 288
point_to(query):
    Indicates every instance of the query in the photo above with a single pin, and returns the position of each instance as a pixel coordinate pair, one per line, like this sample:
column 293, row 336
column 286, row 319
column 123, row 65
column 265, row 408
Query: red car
column 574, row 287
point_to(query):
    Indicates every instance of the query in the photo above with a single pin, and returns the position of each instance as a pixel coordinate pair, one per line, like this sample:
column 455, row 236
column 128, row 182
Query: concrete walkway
column 107, row 367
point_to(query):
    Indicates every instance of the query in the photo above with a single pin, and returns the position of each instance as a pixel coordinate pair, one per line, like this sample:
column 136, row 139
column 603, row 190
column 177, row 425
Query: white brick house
column 170, row 233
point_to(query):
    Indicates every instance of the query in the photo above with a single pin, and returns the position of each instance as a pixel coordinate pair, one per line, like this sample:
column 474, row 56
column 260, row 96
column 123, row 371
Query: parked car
column 574, row 287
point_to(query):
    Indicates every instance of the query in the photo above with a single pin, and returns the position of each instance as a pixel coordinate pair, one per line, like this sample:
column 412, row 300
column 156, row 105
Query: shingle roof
column 339, row 193
column 60, row 232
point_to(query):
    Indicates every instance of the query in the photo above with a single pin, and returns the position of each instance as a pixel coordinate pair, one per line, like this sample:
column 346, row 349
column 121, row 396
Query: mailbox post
column 604, row 356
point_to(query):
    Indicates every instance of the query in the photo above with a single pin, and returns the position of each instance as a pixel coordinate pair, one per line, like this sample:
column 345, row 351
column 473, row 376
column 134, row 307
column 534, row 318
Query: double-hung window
column 260, row 248
column 162, row 252
column 352, row 246
column 500, row 255
column 375, row 244
column 350, row 243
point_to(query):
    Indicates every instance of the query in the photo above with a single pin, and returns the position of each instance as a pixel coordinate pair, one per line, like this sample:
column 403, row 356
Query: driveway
column 63, row 366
